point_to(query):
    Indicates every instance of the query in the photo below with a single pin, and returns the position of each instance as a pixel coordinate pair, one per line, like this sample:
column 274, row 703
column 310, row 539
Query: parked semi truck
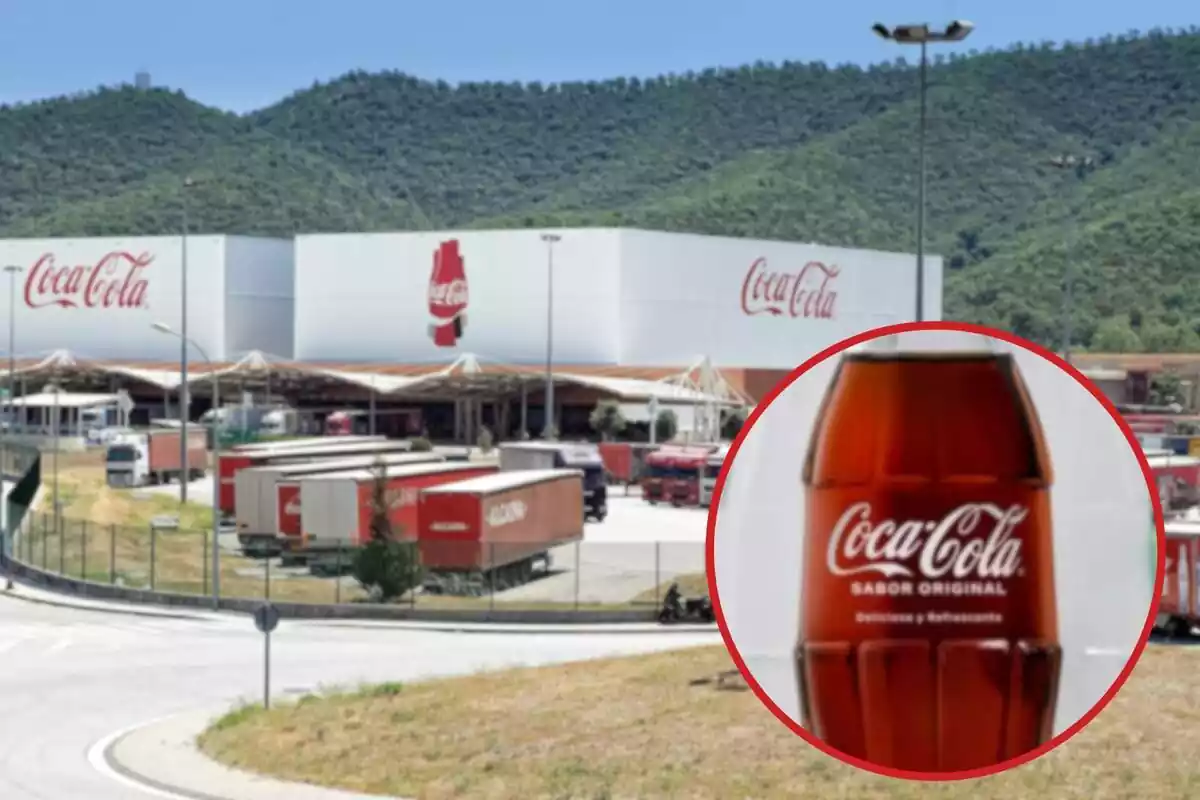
column 257, row 493
column 673, row 474
column 154, row 456
column 563, row 455
column 262, row 455
column 496, row 531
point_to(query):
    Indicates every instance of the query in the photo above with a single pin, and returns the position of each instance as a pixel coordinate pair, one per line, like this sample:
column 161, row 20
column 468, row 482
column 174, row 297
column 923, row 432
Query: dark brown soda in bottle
column 929, row 638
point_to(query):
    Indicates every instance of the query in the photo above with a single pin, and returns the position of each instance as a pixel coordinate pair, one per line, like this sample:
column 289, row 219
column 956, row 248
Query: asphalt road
column 69, row 678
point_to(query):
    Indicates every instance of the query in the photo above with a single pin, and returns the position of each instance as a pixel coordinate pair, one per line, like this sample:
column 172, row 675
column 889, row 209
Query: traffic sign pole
column 267, row 671
column 266, row 619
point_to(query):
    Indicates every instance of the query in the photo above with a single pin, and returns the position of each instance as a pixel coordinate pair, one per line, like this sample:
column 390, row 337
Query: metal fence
column 583, row 575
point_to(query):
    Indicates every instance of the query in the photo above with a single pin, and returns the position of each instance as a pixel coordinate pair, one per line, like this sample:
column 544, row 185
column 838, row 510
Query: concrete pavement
column 72, row 679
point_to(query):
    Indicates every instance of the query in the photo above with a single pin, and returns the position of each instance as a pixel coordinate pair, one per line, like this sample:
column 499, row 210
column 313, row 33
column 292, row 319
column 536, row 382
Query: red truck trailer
column 289, row 511
column 1179, row 609
column 256, row 492
column 496, row 530
column 230, row 463
column 335, row 509
column 399, row 422
column 625, row 462
column 673, row 474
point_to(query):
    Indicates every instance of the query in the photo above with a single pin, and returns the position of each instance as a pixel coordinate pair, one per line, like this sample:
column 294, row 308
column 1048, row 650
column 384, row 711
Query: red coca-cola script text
column 808, row 293
column 116, row 280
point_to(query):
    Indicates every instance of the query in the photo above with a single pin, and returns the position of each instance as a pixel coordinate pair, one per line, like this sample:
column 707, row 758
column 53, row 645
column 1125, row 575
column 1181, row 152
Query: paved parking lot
column 636, row 548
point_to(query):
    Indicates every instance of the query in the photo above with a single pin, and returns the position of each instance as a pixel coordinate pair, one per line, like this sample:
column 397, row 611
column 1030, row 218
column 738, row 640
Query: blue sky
column 244, row 54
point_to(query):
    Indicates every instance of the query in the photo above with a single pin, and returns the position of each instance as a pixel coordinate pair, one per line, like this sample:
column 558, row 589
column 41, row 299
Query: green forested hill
column 796, row 151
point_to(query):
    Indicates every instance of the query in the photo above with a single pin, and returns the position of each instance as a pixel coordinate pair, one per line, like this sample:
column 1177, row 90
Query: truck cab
column 673, row 474
column 127, row 461
column 582, row 456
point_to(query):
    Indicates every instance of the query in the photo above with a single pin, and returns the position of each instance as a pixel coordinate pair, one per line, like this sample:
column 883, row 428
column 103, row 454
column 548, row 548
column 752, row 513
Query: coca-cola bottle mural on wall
column 448, row 295
column 929, row 634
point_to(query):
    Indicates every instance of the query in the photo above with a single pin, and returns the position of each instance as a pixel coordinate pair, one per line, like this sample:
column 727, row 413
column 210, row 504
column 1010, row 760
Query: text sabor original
column 928, row 589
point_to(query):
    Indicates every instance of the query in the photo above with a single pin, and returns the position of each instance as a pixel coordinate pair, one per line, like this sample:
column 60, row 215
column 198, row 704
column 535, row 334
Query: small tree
column 666, row 425
column 607, row 420
column 384, row 567
column 485, row 440
column 732, row 422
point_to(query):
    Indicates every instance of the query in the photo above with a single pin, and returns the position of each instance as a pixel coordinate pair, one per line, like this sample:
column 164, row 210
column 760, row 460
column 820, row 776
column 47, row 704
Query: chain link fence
column 510, row 575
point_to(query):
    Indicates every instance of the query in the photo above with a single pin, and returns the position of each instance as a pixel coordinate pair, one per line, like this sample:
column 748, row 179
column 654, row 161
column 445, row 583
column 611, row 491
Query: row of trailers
column 482, row 521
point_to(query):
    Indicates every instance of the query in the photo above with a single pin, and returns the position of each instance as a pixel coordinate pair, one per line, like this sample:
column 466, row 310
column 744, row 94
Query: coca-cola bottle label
column 964, row 566
column 972, row 544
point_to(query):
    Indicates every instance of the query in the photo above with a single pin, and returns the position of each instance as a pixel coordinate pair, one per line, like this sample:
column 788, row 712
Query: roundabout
column 77, row 677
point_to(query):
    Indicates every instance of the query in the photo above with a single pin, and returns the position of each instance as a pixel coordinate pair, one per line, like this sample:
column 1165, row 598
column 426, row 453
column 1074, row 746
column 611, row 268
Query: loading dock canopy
column 465, row 376
column 64, row 400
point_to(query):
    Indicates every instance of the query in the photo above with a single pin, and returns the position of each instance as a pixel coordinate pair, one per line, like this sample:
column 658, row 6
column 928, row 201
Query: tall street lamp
column 216, row 476
column 184, row 394
column 1077, row 163
column 12, row 271
column 550, row 239
column 922, row 34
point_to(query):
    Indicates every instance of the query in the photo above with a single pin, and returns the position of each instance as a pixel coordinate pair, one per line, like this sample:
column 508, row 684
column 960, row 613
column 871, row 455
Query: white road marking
column 97, row 757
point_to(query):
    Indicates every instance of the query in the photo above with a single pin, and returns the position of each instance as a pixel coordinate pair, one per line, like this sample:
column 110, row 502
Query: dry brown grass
column 106, row 537
column 633, row 727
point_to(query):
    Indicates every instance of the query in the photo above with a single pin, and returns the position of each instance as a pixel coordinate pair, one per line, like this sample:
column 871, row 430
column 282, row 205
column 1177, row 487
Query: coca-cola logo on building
column 448, row 296
column 973, row 541
column 115, row 281
column 807, row 293
column 506, row 513
column 292, row 507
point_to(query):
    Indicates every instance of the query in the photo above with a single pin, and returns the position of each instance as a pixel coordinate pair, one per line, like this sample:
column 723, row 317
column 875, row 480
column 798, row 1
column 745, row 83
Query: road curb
column 494, row 628
column 166, row 748
column 93, row 595
column 100, row 609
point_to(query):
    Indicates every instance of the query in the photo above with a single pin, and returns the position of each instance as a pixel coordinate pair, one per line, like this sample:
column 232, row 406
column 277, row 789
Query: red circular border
column 710, row 561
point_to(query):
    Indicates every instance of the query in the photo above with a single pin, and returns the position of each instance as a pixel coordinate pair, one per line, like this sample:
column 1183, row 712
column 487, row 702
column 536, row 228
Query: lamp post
column 1078, row 163
column 184, row 394
column 216, row 478
column 922, row 34
column 550, row 239
column 12, row 271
